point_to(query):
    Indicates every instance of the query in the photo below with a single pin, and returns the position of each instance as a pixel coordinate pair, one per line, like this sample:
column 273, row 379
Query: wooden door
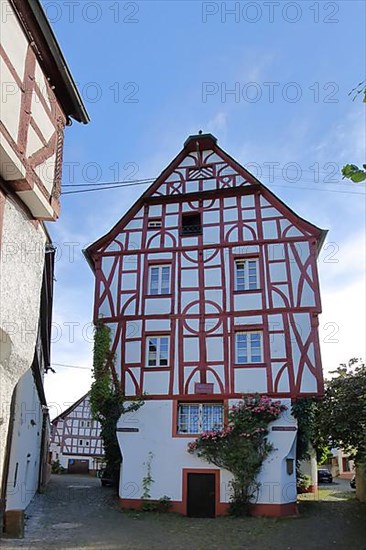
column 78, row 466
column 201, row 495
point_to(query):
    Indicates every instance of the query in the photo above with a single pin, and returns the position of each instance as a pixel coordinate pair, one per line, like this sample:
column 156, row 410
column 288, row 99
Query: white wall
column 26, row 442
column 154, row 421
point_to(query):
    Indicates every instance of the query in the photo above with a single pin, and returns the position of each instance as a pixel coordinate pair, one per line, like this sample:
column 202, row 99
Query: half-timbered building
column 75, row 439
column 209, row 285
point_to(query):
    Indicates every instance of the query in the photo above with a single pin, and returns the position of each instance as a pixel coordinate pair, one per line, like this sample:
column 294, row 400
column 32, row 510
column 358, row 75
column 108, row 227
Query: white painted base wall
column 154, row 422
column 310, row 468
column 26, row 445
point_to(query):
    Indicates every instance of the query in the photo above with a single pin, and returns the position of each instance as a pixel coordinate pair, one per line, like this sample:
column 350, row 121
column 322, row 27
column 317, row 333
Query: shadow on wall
column 5, row 347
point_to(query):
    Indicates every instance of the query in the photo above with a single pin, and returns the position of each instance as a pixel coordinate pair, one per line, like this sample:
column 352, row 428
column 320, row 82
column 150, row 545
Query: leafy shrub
column 164, row 504
column 303, row 483
column 56, row 467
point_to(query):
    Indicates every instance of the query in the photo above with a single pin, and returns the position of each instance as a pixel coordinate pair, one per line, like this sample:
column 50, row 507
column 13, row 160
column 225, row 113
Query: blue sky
column 151, row 73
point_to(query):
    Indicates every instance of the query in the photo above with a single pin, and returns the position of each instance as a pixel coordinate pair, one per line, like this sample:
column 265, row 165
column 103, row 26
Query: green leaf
column 354, row 173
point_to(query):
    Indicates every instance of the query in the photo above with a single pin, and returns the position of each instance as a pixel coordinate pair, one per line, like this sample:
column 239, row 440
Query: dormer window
column 155, row 223
column 191, row 224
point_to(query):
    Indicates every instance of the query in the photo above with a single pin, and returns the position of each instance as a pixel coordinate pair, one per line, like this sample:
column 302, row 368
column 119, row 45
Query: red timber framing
column 48, row 98
column 31, row 92
column 72, row 426
column 245, row 220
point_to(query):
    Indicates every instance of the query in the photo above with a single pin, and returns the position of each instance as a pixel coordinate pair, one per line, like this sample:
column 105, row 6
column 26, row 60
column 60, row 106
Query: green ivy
column 305, row 410
column 147, row 480
column 107, row 402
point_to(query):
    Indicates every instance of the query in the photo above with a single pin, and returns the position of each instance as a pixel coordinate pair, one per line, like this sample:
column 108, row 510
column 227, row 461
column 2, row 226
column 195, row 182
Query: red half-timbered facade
column 209, row 284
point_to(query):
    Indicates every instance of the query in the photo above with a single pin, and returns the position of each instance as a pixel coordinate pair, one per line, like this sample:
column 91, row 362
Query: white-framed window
column 157, row 351
column 246, row 274
column 159, row 279
column 249, row 347
column 194, row 418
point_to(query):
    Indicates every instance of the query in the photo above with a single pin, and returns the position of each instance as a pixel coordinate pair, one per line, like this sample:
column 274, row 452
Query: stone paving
column 77, row 513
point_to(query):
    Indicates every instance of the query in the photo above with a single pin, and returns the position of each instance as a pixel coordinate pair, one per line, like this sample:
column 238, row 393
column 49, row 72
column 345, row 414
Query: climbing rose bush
column 241, row 447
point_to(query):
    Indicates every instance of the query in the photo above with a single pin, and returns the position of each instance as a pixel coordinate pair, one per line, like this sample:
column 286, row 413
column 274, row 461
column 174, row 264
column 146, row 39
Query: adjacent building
column 75, row 439
column 38, row 100
column 209, row 285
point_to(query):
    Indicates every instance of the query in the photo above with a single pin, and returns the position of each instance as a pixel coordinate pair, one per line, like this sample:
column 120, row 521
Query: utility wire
column 150, row 180
column 119, row 185
column 137, row 182
column 70, row 366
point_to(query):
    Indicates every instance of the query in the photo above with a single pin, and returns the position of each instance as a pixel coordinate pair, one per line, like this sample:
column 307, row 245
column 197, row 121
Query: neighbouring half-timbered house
column 75, row 439
column 38, row 100
column 209, row 285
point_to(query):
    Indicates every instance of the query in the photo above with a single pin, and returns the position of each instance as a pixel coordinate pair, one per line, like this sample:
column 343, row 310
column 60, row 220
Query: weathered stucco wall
column 22, row 259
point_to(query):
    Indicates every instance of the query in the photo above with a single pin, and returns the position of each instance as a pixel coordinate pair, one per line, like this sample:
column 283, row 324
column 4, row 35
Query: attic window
column 191, row 224
column 154, row 223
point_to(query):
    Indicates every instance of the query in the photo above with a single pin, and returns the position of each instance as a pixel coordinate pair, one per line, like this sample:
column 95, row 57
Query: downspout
column 43, row 456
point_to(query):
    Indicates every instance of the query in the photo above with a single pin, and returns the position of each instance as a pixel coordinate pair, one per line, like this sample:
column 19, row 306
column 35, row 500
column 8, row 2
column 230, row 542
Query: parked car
column 107, row 479
column 324, row 476
column 353, row 482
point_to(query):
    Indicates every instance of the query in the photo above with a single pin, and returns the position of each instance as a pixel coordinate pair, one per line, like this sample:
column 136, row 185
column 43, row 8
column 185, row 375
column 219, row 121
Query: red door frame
column 219, row 507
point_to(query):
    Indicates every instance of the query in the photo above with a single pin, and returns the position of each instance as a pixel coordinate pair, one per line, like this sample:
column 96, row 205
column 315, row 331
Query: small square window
column 154, row 224
column 191, row 224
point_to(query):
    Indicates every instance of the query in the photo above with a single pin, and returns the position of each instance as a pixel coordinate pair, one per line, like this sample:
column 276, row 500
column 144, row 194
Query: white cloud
column 218, row 124
column 342, row 326
column 65, row 387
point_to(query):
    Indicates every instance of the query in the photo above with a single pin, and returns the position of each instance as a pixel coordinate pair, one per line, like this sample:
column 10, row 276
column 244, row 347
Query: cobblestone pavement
column 77, row 513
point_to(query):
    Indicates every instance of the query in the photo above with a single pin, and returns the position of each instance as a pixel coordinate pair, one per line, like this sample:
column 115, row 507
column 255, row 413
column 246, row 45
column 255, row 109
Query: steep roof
column 194, row 143
column 66, row 412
